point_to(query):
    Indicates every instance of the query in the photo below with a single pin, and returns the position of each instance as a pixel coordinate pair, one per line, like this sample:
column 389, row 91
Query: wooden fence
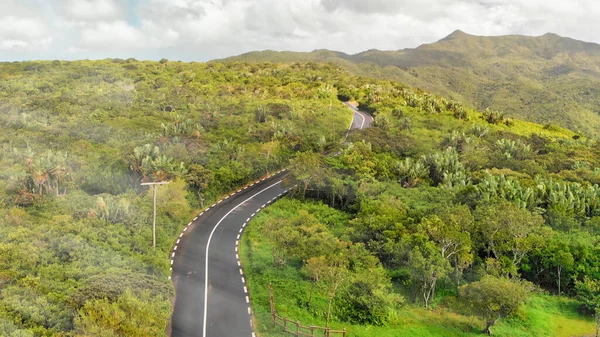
column 297, row 329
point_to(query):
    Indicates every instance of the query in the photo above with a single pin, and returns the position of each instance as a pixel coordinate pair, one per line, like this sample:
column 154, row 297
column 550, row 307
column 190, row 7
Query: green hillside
column 428, row 219
column 78, row 138
column 76, row 141
column 546, row 79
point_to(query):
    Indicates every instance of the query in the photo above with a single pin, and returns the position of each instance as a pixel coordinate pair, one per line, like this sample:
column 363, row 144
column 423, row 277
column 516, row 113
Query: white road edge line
column 243, row 280
column 206, row 255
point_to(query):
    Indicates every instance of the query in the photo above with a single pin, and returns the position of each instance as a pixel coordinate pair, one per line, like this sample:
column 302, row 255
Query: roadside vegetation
column 438, row 220
column 78, row 138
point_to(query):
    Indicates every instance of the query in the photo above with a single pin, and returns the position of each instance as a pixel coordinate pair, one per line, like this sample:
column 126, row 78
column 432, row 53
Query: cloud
column 115, row 34
column 91, row 10
column 22, row 33
column 206, row 29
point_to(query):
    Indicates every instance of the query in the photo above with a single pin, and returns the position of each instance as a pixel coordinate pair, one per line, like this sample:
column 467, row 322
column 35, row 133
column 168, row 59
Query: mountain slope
column 546, row 79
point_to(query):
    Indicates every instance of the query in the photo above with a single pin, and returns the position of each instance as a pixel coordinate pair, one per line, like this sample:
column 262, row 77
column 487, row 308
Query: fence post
column 344, row 332
column 272, row 302
column 312, row 330
column 297, row 328
column 285, row 324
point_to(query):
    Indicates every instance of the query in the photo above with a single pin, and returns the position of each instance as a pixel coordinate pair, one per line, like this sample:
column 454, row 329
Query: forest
column 78, row 138
column 425, row 218
column 438, row 220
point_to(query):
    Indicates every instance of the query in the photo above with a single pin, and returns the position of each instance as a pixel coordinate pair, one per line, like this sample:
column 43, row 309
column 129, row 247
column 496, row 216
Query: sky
column 201, row 30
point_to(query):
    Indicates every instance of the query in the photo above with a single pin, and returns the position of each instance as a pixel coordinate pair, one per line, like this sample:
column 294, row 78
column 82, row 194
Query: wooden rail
column 297, row 329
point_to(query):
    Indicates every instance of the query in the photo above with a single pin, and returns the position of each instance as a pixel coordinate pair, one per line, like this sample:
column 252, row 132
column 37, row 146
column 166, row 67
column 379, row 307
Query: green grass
column 543, row 315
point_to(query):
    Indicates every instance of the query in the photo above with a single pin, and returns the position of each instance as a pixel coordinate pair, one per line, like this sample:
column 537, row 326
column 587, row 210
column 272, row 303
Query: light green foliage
column 509, row 232
column 514, row 149
column 78, row 138
column 588, row 292
column 128, row 316
column 493, row 298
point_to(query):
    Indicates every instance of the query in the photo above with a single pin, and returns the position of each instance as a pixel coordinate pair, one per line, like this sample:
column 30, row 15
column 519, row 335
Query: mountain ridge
column 547, row 79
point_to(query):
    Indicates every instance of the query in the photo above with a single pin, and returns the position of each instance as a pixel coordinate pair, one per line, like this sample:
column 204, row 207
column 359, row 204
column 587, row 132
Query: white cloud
column 23, row 33
column 205, row 29
column 91, row 10
column 112, row 34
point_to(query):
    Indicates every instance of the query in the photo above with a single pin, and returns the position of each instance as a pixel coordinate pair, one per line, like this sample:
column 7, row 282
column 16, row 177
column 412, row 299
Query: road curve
column 212, row 299
column 361, row 119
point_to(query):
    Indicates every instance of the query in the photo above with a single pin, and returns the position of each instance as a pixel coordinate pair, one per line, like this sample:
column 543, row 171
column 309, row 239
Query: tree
column 493, row 298
column 199, row 179
column 334, row 274
column 563, row 260
column 509, row 231
column 307, row 167
column 450, row 230
column 588, row 293
column 427, row 266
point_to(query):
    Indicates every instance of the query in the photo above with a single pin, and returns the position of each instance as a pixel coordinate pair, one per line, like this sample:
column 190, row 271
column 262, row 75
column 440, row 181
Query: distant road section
column 212, row 299
column 361, row 119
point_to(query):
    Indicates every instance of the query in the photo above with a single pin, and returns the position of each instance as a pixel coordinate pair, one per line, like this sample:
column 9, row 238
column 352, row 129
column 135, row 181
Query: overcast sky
column 200, row 30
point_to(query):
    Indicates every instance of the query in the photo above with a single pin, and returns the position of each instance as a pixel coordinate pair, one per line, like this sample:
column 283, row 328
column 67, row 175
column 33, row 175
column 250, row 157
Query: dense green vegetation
column 76, row 140
column 547, row 79
column 405, row 230
column 468, row 219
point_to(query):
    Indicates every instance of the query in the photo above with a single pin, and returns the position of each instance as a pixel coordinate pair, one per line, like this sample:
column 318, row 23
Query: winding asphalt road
column 212, row 299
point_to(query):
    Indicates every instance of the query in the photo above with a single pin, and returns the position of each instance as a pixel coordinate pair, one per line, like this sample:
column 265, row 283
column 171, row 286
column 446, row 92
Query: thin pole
column 332, row 120
column 154, row 218
column 154, row 191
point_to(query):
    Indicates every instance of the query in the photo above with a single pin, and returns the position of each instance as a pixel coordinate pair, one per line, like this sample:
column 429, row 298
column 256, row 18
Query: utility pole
column 332, row 120
column 154, row 188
